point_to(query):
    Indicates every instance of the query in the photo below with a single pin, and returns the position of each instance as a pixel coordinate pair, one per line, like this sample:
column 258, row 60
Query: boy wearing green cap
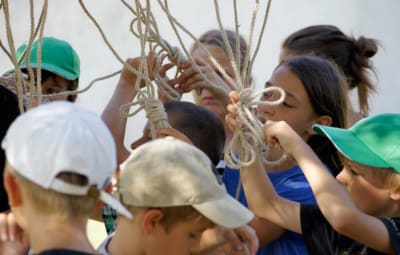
column 60, row 67
column 358, row 212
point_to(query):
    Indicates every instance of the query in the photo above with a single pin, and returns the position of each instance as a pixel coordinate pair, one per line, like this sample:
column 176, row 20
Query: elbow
column 343, row 221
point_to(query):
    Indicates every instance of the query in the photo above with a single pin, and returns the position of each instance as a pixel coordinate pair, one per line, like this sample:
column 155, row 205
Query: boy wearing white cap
column 60, row 157
column 175, row 195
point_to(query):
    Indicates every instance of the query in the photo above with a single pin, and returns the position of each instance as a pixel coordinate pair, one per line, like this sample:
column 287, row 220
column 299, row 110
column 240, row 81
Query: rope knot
column 245, row 96
column 155, row 113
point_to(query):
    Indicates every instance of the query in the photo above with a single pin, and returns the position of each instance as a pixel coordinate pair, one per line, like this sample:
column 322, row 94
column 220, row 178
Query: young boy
column 60, row 67
column 358, row 217
column 60, row 157
column 174, row 194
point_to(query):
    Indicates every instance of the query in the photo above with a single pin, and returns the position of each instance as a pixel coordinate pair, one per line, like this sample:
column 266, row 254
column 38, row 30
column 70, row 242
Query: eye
column 287, row 105
column 194, row 235
column 352, row 172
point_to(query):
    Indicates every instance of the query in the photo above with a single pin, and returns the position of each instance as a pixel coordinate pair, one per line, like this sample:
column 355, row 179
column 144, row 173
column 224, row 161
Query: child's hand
column 12, row 239
column 153, row 66
column 281, row 134
column 231, row 118
column 162, row 72
column 244, row 235
column 163, row 132
column 192, row 78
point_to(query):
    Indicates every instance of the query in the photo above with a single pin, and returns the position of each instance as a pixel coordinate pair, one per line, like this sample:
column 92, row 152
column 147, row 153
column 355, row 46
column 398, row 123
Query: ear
column 321, row 120
column 395, row 194
column 151, row 221
column 13, row 189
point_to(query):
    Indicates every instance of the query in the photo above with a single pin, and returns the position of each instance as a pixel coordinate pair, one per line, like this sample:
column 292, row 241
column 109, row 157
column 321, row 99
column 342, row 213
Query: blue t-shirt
column 290, row 184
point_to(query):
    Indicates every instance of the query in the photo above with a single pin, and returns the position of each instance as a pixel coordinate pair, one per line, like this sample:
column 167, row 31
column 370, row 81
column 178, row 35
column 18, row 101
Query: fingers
column 164, row 69
column 9, row 230
column 233, row 240
column 234, row 95
column 248, row 235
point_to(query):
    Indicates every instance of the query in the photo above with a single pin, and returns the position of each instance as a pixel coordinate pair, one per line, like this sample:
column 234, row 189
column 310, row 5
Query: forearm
column 333, row 200
column 124, row 93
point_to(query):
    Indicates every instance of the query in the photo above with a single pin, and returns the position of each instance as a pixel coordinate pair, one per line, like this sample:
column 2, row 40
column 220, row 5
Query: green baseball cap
column 58, row 57
column 373, row 141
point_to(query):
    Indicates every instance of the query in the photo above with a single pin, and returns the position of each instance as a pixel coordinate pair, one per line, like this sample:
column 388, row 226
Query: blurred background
column 66, row 20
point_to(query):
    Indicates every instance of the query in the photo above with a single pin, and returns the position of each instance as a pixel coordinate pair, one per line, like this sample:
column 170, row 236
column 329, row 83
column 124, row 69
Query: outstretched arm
column 124, row 93
column 333, row 200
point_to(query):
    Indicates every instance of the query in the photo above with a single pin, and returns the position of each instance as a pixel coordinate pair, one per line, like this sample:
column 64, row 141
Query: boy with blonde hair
column 174, row 193
column 60, row 157
column 358, row 217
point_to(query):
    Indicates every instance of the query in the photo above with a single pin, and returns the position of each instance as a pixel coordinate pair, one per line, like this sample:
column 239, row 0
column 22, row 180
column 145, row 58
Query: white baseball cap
column 63, row 137
column 167, row 172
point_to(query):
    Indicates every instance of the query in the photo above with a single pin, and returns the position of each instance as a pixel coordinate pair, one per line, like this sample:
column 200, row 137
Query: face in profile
column 296, row 109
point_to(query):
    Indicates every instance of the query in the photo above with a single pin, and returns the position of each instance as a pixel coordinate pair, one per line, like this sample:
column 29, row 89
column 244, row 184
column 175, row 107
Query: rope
column 13, row 55
column 248, row 140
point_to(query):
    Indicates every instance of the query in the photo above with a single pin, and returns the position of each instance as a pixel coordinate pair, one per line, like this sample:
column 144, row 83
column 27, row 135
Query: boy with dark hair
column 60, row 67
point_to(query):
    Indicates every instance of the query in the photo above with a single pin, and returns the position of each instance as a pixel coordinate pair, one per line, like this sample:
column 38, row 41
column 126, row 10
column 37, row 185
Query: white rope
column 249, row 140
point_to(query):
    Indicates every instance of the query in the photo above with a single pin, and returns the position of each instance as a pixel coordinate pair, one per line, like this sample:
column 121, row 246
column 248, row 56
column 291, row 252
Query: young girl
column 315, row 94
column 351, row 55
column 214, row 98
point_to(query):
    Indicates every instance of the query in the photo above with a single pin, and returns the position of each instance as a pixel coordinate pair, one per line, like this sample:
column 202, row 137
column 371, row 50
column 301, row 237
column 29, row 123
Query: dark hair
column 326, row 88
column 200, row 125
column 351, row 55
column 71, row 84
column 214, row 37
column 8, row 113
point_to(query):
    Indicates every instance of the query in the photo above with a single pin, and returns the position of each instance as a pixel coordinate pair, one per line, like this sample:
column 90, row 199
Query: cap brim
column 115, row 204
column 350, row 146
column 54, row 69
column 226, row 212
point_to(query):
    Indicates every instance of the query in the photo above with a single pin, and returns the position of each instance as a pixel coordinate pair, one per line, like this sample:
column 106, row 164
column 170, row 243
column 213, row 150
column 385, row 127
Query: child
column 60, row 157
column 359, row 218
column 315, row 93
column 60, row 67
column 174, row 194
column 351, row 55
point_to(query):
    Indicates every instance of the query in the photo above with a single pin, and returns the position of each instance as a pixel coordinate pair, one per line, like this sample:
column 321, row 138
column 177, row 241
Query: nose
column 264, row 112
column 342, row 177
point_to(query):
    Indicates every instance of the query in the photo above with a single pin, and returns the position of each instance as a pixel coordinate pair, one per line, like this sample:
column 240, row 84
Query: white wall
column 66, row 20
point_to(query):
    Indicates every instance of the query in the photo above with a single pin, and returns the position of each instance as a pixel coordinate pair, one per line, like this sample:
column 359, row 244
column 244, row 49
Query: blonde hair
column 52, row 202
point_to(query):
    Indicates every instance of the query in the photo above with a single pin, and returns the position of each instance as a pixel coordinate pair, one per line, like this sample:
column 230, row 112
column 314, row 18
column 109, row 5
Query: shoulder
column 393, row 227
column 102, row 249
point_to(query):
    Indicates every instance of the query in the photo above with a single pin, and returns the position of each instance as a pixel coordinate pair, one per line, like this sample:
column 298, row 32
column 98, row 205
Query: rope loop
column 248, row 141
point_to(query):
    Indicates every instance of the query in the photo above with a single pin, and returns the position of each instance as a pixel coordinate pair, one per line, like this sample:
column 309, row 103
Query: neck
column 66, row 233
column 125, row 240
